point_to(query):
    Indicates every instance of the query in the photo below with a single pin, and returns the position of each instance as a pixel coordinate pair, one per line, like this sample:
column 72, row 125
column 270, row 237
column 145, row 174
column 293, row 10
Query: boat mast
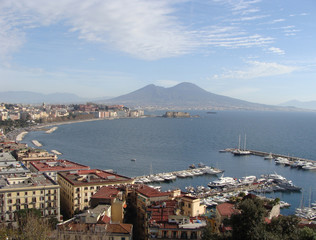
column 239, row 142
column 245, row 143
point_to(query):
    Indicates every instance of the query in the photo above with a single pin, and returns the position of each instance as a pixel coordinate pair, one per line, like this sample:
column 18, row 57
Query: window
column 164, row 233
column 122, row 238
column 174, row 234
column 9, row 194
column 189, row 205
column 18, row 194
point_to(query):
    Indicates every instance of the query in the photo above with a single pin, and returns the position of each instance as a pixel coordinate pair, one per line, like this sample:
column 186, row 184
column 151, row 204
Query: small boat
column 133, row 159
column 192, row 166
column 268, row 157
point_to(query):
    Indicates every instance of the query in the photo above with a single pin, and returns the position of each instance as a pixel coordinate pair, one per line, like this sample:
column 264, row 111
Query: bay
column 164, row 145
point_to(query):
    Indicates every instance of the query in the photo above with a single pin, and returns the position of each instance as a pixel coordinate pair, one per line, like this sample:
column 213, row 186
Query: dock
column 51, row 130
column 169, row 176
column 37, row 143
column 56, row 152
column 292, row 159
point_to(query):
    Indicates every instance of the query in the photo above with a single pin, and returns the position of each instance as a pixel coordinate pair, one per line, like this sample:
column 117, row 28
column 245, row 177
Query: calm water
column 162, row 145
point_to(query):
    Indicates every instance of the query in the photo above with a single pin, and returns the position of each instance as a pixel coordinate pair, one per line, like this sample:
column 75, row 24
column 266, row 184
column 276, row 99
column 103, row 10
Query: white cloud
column 258, row 69
column 276, row 50
column 144, row 29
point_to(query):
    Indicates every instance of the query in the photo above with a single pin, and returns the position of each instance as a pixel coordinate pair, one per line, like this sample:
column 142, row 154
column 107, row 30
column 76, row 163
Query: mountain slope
column 181, row 96
column 299, row 104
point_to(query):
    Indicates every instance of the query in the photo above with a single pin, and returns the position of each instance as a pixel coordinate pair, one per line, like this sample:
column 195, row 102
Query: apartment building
column 24, row 191
column 77, row 187
column 28, row 155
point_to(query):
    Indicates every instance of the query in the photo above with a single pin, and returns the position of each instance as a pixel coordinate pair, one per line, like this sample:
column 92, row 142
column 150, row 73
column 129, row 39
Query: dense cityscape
column 74, row 201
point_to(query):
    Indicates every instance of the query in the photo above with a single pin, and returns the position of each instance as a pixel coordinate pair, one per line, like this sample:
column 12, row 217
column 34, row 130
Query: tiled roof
column 120, row 228
column 226, row 209
column 57, row 165
column 150, row 192
column 106, row 192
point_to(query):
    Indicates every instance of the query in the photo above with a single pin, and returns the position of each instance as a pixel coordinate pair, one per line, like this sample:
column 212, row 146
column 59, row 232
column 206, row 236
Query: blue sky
column 257, row 50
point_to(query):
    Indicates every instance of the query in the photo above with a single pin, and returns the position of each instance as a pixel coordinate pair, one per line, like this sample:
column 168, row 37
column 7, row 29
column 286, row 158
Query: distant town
column 83, row 203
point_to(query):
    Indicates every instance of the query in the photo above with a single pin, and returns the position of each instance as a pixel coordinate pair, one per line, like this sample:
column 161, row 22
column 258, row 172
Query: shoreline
column 21, row 133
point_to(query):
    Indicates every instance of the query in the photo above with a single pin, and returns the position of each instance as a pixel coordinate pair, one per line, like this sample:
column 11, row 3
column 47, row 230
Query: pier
column 292, row 159
column 56, row 152
column 37, row 143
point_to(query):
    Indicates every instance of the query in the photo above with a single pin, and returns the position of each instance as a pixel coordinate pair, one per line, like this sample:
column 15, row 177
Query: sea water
column 164, row 144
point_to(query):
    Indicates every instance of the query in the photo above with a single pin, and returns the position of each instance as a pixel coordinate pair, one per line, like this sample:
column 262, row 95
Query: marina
column 170, row 176
column 291, row 161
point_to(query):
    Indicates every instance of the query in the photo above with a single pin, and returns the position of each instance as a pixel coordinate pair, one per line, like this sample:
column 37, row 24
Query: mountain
column 37, row 98
column 182, row 96
column 300, row 104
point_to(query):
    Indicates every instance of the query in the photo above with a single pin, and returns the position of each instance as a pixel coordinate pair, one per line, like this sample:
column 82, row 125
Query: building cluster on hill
column 54, row 112
column 100, row 204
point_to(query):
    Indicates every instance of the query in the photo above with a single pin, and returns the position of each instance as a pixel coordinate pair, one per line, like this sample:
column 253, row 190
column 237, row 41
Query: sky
column 261, row 51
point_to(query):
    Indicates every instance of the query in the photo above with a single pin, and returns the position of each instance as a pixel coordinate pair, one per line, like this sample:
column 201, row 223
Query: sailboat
column 239, row 151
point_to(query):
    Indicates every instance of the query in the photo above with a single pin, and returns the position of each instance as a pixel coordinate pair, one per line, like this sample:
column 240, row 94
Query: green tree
column 284, row 227
column 249, row 224
column 307, row 234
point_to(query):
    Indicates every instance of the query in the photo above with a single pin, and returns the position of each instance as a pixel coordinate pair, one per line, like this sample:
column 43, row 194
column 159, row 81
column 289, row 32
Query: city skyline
column 258, row 51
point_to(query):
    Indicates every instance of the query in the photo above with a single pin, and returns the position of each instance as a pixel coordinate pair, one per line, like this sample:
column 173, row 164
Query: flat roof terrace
column 94, row 177
column 57, row 165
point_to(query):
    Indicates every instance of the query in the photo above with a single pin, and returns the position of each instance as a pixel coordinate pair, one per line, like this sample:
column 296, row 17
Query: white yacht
column 248, row 179
column 210, row 170
column 222, row 182
column 309, row 166
column 281, row 160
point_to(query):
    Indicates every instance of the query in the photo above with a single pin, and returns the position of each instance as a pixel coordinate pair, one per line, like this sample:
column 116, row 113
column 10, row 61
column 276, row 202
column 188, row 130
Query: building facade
column 77, row 187
column 25, row 191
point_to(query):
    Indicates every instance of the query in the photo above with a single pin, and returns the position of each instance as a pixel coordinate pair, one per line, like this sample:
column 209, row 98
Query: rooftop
column 120, row 228
column 150, row 192
column 226, row 209
column 12, row 168
column 15, row 181
column 108, row 192
column 6, row 157
column 57, row 165
column 93, row 176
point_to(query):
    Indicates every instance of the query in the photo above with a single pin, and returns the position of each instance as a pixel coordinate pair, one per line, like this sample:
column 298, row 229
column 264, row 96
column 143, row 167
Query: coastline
column 21, row 133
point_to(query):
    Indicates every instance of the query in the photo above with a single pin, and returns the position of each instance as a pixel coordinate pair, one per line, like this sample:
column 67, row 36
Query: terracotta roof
column 150, row 192
column 226, row 209
column 106, row 192
column 105, row 219
column 57, row 165
column 120, row 228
